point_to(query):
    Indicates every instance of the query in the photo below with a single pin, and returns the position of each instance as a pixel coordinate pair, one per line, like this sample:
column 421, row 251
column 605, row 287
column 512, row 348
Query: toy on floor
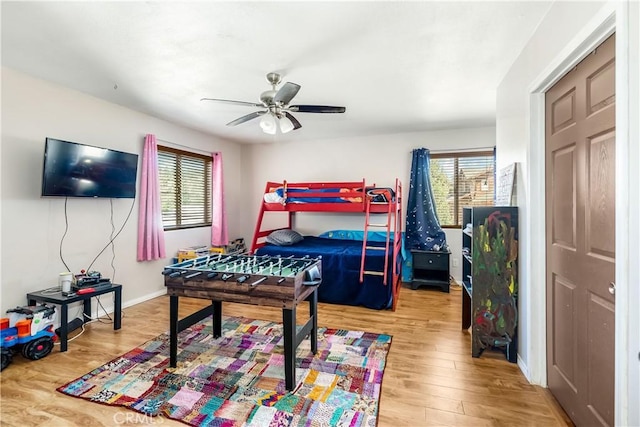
column 28, row 329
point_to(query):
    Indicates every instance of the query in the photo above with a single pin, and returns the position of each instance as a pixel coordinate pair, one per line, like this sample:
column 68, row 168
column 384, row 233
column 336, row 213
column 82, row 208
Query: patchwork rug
column 238, row 379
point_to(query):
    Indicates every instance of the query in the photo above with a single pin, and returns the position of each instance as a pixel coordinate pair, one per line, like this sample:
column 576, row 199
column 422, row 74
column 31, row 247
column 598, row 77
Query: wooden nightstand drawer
column 430, row 260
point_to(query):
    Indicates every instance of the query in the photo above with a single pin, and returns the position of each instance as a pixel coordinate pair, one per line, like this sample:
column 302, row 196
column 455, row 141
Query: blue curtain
column 423, row 231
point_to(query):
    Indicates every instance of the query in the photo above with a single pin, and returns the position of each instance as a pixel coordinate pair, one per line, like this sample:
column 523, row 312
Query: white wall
column 33, row 226
column 379, row 159
column 559, row 36
column 512, row 134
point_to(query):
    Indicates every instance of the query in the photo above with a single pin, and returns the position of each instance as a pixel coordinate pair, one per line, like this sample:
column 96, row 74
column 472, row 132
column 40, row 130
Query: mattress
column 341, row 270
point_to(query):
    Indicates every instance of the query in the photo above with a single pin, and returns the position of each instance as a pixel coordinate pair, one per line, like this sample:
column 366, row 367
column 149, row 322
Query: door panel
column 563, row 111
column 564, row 213
column 601, row 386
column 601, row 196
column 565, row 330
column 601, row 87
column 580, row 238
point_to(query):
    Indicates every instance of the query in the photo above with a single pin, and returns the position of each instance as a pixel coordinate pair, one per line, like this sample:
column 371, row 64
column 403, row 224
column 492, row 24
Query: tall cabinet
column 490, row 278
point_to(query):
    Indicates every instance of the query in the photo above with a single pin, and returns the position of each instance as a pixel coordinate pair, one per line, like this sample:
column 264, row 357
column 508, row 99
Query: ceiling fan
column 276, row 111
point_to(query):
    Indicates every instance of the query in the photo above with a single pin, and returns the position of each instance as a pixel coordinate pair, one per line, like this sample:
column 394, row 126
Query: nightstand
column 430, row 268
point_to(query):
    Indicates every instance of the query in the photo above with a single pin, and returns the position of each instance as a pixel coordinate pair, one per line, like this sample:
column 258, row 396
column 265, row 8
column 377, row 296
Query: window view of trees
column 461, row 180
column 442, row 188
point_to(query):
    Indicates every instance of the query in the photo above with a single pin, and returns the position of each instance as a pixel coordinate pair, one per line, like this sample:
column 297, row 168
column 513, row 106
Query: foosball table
column 248, row 279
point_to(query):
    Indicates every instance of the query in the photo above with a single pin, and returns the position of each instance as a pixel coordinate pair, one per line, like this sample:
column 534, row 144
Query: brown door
column 580, row 238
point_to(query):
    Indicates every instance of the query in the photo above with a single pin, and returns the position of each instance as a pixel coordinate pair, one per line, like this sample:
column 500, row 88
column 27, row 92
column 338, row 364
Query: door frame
column 612, row 17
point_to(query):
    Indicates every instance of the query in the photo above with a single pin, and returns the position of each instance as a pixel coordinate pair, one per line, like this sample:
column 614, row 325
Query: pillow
column 284, row 237
column 372, row 236
column 343, row 234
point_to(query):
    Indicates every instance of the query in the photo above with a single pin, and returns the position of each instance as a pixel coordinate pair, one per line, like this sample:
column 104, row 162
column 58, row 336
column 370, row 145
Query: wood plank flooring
column 430, row 379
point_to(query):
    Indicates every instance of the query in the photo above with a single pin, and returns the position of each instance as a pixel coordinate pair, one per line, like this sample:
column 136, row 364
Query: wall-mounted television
column 78, row 170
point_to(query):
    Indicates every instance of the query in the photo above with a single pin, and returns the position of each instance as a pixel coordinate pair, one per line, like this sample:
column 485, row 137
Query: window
column 185, row 188
column 461, row 180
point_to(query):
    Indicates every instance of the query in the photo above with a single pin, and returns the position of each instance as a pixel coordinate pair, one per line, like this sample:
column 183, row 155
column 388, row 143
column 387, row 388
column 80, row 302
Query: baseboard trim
column 525, row 370
column 144, row 298
column 129, row 303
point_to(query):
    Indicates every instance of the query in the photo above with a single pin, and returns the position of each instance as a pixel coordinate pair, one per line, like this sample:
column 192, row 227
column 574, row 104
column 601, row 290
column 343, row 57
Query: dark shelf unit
column 430, row 268
column 490, row 278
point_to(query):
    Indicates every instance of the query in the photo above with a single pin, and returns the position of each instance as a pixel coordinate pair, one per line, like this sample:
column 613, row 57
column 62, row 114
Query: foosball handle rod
column 257, row 282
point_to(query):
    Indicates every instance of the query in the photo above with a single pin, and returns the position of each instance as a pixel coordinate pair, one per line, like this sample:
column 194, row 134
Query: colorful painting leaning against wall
column 495, row 311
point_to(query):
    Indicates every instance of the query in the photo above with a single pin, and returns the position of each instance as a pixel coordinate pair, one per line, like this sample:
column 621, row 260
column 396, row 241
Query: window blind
column 461, row 180
column 185, row 188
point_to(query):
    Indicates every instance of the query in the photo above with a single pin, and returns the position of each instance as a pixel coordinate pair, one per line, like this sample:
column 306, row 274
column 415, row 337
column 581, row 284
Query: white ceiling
column 396, row 66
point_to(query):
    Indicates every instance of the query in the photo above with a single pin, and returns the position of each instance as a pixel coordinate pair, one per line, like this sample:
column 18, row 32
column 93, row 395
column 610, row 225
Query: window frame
column 207, row 178
column 456, row 156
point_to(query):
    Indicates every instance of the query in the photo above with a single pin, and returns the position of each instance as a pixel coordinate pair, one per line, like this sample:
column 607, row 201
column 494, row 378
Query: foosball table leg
column 173, row 331
column 289, row 332
column 313, row 313
column 217, row 318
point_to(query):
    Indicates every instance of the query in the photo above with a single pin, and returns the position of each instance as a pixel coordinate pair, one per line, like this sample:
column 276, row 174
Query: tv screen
column 77, row 170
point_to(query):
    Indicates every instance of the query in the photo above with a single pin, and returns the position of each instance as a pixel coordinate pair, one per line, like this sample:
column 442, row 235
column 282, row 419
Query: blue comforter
column 341, row 270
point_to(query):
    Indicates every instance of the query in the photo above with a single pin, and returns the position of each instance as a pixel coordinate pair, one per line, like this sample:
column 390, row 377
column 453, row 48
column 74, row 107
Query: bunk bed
column 359, row 268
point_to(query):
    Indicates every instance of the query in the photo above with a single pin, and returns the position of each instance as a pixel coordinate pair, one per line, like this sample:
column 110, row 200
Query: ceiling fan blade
column 296, row 123
column 316, row 109
column 286, row 93
column 229, row 101
column 246, row 118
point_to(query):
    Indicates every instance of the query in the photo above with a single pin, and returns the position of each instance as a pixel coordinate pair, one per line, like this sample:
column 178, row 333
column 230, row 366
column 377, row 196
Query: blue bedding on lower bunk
column 341, row 270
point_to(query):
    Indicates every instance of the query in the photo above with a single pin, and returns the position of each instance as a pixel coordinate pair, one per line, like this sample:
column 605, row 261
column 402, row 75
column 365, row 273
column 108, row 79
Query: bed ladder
column 368, row 224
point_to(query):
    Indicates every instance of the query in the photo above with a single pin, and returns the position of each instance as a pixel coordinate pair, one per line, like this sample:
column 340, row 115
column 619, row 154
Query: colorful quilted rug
column 238, row 379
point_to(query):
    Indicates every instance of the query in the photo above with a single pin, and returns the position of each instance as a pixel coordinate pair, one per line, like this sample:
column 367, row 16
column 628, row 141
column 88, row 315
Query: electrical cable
column 105, row 312
column 91, row 320
column 50, row 291
column 113, row 247
column 66, row 229
column 73, row 337
column 114, row 237
column 69, row 339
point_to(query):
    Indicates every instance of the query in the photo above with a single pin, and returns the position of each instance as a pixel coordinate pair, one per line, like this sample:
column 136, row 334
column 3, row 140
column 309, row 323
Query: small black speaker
column 71, row 326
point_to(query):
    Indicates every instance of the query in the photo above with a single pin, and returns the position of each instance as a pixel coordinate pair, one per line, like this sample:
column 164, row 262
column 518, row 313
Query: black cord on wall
column 66, row 229
column 112, row 237
column 113, row 247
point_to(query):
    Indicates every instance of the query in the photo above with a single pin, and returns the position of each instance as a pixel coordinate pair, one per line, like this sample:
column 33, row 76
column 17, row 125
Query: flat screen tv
column 78, row 170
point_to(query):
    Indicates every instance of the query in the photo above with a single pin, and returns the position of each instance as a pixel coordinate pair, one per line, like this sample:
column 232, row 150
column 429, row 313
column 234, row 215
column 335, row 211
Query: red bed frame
column 350, row 190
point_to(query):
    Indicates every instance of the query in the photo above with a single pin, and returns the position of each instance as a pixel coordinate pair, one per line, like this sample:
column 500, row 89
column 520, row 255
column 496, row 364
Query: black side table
column 430, row 268
column 63, row 301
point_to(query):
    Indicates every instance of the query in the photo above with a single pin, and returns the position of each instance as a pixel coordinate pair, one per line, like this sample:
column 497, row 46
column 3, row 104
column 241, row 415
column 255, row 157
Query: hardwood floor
column 430, row 379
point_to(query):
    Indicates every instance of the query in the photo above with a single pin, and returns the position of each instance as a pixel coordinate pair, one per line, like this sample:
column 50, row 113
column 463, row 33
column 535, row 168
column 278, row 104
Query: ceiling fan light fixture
column 268, row 124
column 285, row 125
column 275, row 111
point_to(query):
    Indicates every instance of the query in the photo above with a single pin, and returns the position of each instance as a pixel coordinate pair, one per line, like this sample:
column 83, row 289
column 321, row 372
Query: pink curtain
column 218, row 217
column 150, row 229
